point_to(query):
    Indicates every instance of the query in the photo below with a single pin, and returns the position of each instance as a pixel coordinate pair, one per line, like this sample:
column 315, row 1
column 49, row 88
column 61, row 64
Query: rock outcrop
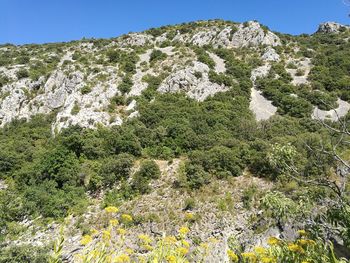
column 193, row 80
column 332, row 27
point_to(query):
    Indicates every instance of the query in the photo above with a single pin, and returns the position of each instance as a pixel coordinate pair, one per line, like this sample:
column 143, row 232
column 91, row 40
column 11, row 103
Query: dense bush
column 148, row 170
column 24, row 254
column 22, row 73
column 204, row 57
column 157, row 55
column 126, row 84
column 116, row 168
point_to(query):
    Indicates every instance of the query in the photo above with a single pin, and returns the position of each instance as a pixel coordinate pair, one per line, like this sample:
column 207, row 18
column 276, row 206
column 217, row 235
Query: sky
column 43, row 21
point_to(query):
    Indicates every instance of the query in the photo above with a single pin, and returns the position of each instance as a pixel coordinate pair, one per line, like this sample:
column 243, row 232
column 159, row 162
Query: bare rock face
column 245, row 35
column 270, row 54
column 187, row 80
column 332, row 27
column 203, row 38
column 262, row 107
column 342, row 109
column 252, row 34
column 135, row 39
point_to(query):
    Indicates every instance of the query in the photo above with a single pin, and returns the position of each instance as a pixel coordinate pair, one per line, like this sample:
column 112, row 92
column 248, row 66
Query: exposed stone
column 251, row 34
column 262, row 107
column 341, row 111
column 332, row 27
column 135, row 39
column 270, row 54
column 184, row 80
column 220, row 66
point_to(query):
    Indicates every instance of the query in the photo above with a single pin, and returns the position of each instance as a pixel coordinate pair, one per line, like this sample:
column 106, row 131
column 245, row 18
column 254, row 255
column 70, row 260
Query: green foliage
column 221, row 79
column 332, row 65
column 4, row 80
column 148, row 170
column 204, row 57
column 116, row 168
column 126, row 84
column 248, row 196
column 126, row 60
column 157, row 55
column 22, row 73
column 76, row 108
column 24, row 254
column 60, row 165
column 86, row 89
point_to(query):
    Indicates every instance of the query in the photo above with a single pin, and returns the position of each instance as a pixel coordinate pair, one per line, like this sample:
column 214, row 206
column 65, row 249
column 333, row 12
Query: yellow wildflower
column 145, row 239
column 171, row 259
column 267, row 260
column 123, row 258
column 295, row 248
column 126, row 218
column 302, row 232
column 121, row 231
column 185, row 243
column 204, row 245
column 182, row 250
column 260, row 250
column 184, row 230
column 95, row 253
column 147, row 247
column 170, row 239
column 94, row 232
column 189, row 216
column 233, row 257
column 106, row 235
column 311, row 242
column 114, row 222
column 213, row 240
column 273, row 241
column 249, row 255
column 111, row 209
column 86, row 240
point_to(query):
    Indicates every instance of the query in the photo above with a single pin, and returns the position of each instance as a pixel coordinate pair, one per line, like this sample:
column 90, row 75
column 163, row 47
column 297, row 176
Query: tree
column 329, row 150
column 148, row 170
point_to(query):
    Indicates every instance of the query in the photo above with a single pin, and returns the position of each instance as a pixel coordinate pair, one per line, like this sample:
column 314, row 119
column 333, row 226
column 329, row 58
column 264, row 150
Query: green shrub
column 24, row 254
column 86, row 89
column 126, row 84
column 22, row 73
column 148, row 170
column 157, row 55
column 115, row 169
column 76, row 109
column 204, row 57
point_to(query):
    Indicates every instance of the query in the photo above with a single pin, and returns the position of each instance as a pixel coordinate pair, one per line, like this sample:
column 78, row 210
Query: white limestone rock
column 262, row 107
column 332, row 27
column 203, row 37
column 251, row 34
column 185, row 80
column 135, row 39
column 270, row 54
column 333, row 115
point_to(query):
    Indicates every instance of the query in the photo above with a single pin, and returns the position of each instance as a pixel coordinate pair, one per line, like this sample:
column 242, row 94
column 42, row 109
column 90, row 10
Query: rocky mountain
column 78, row 80
column 187, row 124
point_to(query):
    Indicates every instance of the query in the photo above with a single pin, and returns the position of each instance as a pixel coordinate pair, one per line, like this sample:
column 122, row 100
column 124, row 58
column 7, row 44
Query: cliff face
column 77, row 80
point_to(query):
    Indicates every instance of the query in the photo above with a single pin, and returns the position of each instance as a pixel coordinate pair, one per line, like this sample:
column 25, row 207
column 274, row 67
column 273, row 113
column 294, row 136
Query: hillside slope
column 233, row 131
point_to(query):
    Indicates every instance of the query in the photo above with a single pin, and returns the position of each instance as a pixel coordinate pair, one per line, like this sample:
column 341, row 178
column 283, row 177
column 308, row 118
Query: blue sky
column 41, row 21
